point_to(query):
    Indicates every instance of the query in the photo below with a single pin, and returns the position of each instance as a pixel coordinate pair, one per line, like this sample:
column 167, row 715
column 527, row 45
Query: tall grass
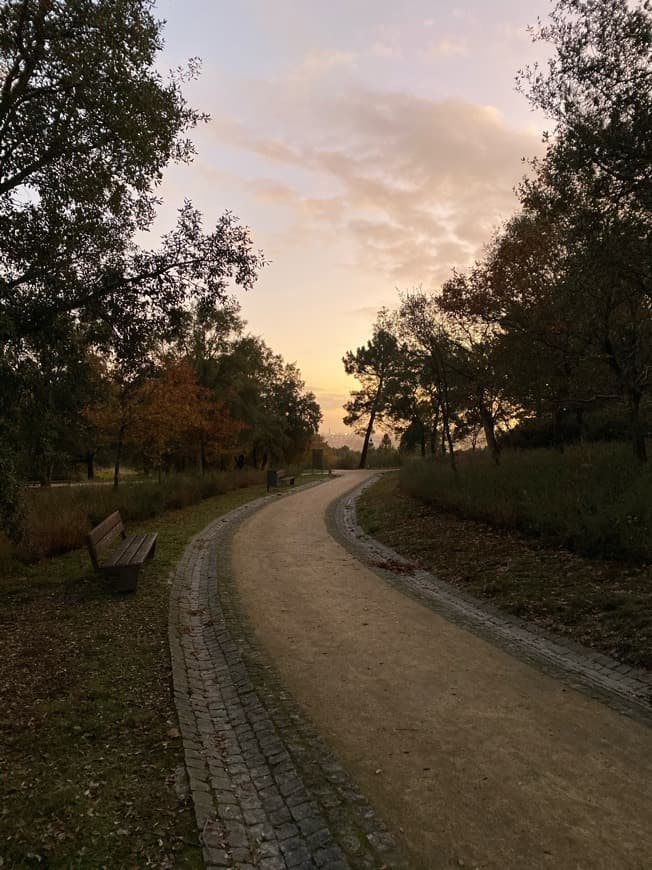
column 593, row 499
column 58, row 518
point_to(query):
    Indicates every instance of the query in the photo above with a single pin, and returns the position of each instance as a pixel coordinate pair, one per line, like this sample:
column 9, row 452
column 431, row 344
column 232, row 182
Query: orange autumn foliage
column 168, row 415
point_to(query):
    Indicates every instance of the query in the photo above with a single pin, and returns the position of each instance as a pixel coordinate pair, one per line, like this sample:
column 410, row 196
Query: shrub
column 595, row 499
column 57, row 519
column 599, row 425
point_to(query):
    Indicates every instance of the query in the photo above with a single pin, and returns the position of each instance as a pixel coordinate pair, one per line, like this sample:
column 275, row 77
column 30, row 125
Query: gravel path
column 291, row 652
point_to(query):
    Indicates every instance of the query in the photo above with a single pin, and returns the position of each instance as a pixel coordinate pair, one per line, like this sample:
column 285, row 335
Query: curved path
column 285, row 646
column 473, row 757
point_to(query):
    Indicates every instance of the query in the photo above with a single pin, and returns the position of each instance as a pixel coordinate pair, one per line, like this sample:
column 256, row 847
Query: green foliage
column 279, row 416
column 383, row 456
column 378, row 367
column 593, row 186
column 593, row 499
column 606, row 424
column 10, row 501
column 596, row 88
column 87, row 126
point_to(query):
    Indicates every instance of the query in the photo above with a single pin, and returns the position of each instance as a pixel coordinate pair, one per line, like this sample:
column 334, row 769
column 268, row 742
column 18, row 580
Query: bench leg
column 123, row 579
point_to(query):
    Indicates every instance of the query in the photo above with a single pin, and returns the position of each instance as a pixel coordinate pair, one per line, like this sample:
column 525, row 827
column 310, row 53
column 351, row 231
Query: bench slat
column 117, row 556
column 109, row 527
column 132, row 551
column 145, row 551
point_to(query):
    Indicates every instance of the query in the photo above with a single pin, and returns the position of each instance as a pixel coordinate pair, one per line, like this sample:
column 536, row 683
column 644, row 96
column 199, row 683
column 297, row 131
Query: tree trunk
column 423, row 441
column 367, row 439
column 489, row 429
column 557, row 430
column 118, row 457
column 370, row 425
column 90, row 465
column 449, row 439
column 435, row 425
column 45, row 478
column 636, row 426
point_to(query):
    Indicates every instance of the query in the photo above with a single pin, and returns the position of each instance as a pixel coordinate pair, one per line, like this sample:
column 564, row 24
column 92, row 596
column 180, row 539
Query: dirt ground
column 471, row 757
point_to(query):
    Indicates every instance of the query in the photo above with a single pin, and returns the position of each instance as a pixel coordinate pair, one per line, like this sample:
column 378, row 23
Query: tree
column 478, row 359
column 277, row 417
column 533, row 293
column 115, row 412
column 54, row 384
column 424, row 331
column 376, row 365
column 179, row 420
column 86, row 127
column 281, row 416
column 598, row 91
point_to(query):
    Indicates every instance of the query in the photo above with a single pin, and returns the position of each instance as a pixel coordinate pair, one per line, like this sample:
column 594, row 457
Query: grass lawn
column 603, row 603
column 91, row 760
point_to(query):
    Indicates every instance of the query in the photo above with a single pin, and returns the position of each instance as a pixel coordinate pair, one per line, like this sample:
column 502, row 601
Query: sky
column 371, row 146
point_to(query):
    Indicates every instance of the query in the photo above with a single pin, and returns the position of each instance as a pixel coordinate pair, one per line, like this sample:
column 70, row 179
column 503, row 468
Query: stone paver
column 267, row 792
column 626, row 689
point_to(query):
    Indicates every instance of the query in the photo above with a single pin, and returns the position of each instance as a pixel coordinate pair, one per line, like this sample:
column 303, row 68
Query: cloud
column 319, row 63
column 416, row 185
column 271, row 191
column 233, row 132
column 446, row 47
column 387, row 43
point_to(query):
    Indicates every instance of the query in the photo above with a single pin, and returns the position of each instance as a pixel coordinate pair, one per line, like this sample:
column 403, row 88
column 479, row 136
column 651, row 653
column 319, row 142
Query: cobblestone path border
column 266, row 790
column 626, row 689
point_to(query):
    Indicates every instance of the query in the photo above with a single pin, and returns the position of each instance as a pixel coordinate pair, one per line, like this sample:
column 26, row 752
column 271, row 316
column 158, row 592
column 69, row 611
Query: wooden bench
column 279, row 478
column 122, row 564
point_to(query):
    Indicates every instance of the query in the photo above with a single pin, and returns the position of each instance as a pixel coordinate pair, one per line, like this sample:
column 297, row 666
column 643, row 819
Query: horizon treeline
column 216, row 398
column 108, row 348
column 547, row 337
